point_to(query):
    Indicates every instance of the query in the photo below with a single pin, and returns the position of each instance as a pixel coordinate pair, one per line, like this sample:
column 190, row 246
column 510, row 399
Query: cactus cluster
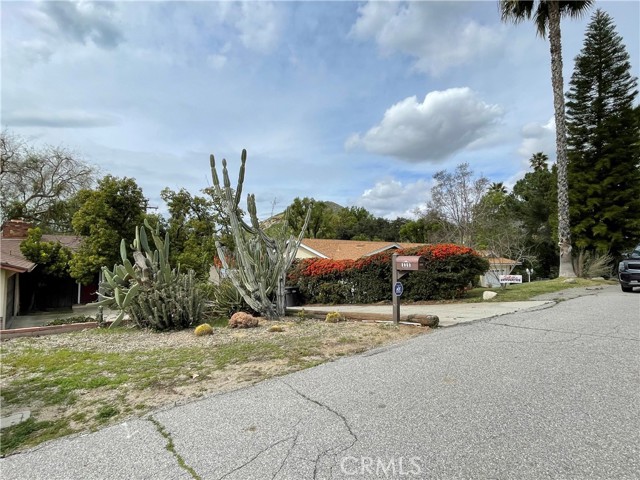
column 202, row 330
column 334, row 317
column 151, row 292
column 261, row 260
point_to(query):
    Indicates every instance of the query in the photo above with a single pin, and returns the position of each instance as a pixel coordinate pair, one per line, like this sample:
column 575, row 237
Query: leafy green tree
column 497, row 187
column 604, row 156
column 320, row 222
column 107, row 214
column 38, row 184
column 52, row 257
column 193, row 223
column 535, row 205
column 426, row 229
column 354, row 223
column 547, row 15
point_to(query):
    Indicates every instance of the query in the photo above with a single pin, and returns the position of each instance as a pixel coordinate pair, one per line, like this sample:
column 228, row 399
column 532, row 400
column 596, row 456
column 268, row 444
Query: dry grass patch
column 82, row 381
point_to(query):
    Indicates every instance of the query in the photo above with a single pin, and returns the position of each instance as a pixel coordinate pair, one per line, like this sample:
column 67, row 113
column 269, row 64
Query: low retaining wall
column 424, row 320
column 50, row 330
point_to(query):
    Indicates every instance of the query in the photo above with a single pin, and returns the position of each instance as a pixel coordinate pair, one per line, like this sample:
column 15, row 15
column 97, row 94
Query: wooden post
column 395, row 298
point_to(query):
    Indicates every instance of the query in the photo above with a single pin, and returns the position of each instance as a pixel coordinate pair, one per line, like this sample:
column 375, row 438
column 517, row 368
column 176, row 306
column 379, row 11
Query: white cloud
column 259, row 26
column 391, row 198
column 537, row 137
column 437, row 34
column 444, row 123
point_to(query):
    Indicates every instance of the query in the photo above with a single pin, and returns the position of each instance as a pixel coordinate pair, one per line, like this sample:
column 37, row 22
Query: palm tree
column 498, row 187
column 547, row 15
column 538, row 161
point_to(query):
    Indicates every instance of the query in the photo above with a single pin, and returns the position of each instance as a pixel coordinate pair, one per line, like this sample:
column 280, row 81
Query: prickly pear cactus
column 151, row 292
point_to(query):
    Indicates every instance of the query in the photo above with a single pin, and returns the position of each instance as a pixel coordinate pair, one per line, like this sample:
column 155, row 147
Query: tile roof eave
column 16, row 268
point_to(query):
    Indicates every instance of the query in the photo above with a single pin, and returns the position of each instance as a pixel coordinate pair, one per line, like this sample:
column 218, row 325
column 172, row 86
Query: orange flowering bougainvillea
column 325, row 266
column 444, row 250
column 450, row 269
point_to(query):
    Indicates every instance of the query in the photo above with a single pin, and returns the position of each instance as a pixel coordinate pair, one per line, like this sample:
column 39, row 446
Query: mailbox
column 410, row 263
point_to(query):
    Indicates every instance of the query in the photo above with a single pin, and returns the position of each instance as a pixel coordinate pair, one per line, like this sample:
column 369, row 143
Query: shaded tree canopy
column 38, row 184
column 193, row 224
column 535, row 205
column 52, row 257
column 107, row 214
column 320, row 221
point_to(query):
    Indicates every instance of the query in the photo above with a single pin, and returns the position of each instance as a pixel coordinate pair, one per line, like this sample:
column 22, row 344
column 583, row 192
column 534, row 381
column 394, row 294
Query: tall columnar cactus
column 260, row 261
column 149, row 290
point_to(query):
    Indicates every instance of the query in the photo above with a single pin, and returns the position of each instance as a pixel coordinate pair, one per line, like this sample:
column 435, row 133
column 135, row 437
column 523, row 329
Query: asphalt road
column 551, row 393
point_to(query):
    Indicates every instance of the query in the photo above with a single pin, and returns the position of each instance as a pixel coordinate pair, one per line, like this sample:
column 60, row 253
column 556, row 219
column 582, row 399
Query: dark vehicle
column 629, row 270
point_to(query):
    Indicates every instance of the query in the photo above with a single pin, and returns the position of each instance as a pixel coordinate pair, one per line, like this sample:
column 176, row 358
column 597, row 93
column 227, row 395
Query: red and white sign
column 510, row 278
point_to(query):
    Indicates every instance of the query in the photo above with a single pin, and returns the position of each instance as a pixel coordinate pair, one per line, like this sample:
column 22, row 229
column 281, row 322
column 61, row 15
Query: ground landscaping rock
column 489, row 295
column 243, row 320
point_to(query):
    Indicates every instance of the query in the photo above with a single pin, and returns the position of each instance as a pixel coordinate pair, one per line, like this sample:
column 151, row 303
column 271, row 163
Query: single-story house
column 354, row 249
column 346, row 249
column 22, row 288
column 497, row 266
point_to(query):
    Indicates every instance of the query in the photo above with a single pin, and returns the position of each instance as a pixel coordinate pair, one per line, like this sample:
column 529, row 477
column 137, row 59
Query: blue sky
column 359, row 103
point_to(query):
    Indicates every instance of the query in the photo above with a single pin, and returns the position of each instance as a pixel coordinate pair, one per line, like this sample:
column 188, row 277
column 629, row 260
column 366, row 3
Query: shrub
column 204, row 329
column 589, row 264
column 226, row 299
column 334, row 317
column 450, row 270
column 68, row 320
column 243, row 320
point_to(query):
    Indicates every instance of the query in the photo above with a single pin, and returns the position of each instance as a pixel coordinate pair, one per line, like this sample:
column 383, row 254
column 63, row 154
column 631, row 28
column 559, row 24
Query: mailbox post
column 400, row 266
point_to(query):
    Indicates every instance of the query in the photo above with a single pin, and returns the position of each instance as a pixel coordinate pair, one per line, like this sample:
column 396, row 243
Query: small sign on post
column 510, row 278
column 401, row 265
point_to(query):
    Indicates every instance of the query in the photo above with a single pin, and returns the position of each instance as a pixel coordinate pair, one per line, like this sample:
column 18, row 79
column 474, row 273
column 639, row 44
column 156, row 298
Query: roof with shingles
column 496, row 260
column 354, row 249
column 349, row 249
column 11, row 258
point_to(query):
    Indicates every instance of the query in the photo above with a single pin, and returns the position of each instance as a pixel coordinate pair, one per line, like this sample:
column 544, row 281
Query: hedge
column 450, row 270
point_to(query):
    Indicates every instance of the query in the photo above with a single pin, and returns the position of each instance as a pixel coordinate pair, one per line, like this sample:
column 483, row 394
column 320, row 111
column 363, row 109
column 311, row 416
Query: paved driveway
column 550, row 393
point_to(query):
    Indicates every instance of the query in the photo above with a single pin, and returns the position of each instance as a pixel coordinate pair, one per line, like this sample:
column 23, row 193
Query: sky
column 357, row 103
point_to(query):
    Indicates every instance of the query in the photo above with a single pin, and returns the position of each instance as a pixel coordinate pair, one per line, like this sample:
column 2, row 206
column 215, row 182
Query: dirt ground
column 170, row 368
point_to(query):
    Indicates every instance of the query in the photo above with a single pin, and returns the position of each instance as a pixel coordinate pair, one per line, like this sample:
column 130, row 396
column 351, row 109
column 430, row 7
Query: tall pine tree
column 604, row 154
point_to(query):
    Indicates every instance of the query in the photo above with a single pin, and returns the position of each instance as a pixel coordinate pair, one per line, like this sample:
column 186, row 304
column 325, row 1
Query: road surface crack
column 343, row 419
column 266, row 449
column 286, row 457
column 172, row 448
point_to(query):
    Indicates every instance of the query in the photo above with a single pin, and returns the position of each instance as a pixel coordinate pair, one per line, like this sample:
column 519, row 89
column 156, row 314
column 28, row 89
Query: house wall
column 3, row 298
column 304, row 253
column 6, row 278
column 491, row 278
